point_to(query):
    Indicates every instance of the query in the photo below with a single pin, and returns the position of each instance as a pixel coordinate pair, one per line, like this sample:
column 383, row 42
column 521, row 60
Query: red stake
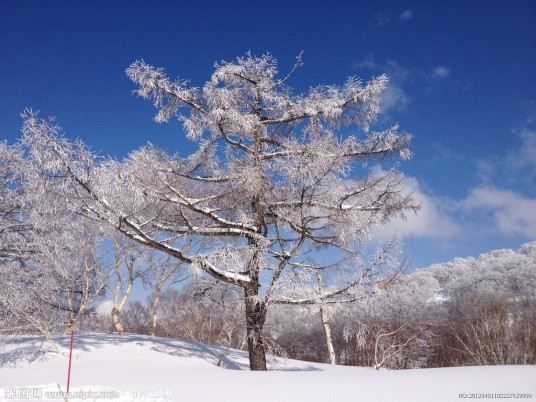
column 70, row 356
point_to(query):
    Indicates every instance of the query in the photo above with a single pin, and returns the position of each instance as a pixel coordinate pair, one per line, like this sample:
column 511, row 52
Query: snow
column 142, row 368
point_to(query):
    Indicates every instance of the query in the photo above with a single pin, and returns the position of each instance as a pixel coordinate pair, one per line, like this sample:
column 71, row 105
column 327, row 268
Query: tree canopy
column 276, row 177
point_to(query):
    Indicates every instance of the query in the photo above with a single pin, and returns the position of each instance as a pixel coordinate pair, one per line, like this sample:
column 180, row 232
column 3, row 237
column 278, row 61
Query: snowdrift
column 111, row 367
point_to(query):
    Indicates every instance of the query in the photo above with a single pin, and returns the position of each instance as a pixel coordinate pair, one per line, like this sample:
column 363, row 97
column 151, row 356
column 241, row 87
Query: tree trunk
column 329, row 339
column 118, row 305
column 325, row 322
column 255, row 317
column 156, row 299
column 115, row 320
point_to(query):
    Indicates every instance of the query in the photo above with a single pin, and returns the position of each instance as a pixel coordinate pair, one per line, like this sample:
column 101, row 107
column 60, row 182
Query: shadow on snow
column 26, row 349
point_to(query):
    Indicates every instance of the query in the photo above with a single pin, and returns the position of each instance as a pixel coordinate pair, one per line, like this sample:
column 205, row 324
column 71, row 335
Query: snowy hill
column 138, row 367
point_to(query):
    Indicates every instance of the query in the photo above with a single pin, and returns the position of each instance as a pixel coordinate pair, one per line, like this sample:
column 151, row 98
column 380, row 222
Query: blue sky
column 463, row 80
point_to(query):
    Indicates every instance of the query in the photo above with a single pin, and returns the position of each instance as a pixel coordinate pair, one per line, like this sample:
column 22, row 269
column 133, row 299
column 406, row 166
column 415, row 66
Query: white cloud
column 494, row 208
column 369, row 63
column 381, row 18
column 515, row 167
column 441, row 72
column 526, row 156
column 512, row 213
column 491, row 209
column 393, row 97
column 432, row 220
column 486, row 170
column 395, row 70
column 406, row 15
column 486, row 210
column 105, row 308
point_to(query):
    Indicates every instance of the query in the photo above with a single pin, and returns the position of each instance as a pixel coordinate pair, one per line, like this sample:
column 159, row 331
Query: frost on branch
column 49, row 262
column 276, row 192
column 244, row 97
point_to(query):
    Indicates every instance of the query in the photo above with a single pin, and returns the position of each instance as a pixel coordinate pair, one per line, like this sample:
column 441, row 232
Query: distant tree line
column 465, row 312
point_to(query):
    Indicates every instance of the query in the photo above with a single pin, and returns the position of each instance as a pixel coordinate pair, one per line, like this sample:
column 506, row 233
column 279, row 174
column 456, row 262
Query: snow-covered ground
column 140, row 368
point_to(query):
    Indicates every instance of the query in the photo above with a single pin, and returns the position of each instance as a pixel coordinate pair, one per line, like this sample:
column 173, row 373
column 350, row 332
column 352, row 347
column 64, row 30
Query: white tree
column 23, row 287
column 163, row 272
column 212, row 312
column 273, row 188
column 490, row 299
column 378, row 275
column 71, row 257
column 395, row 328
column 128, row 266
column 499, row 271
column 49, row 263
column 15, row 228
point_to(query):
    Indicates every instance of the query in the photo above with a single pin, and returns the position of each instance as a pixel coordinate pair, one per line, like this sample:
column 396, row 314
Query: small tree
column 15, row 229
column 72, row 258
column 395, row 328
column 16, row 244
column 126, row 269
column 67, row 253
column 489, row 329
column 207, row 311
column 49, row 262
column 273, row 182
column 170, row 312
column 136, row 318
column 163, row 272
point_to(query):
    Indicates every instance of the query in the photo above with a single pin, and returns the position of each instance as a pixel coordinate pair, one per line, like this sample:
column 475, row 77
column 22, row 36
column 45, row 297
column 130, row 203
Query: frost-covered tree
column 377, row 278
column 504, row 271
column 395, row 328
column 212, row 312
column 491, row 303
column 49, row 264
column 164, row 271
column 24, row 289
column 278, row 190
column 489, row 307
column 69, row 258
column 15, row 229
column 15, row 243
column 129, row 265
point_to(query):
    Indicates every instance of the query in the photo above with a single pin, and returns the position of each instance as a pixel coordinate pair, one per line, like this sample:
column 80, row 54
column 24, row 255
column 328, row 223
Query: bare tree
column 136, row 318
column 206, row 311
column 126, row 269
column 170, row 311
column 164, row 271
column 298, row 331
column 223, row 302
column 489, row 329
column 273, row 186
column 324, row 316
